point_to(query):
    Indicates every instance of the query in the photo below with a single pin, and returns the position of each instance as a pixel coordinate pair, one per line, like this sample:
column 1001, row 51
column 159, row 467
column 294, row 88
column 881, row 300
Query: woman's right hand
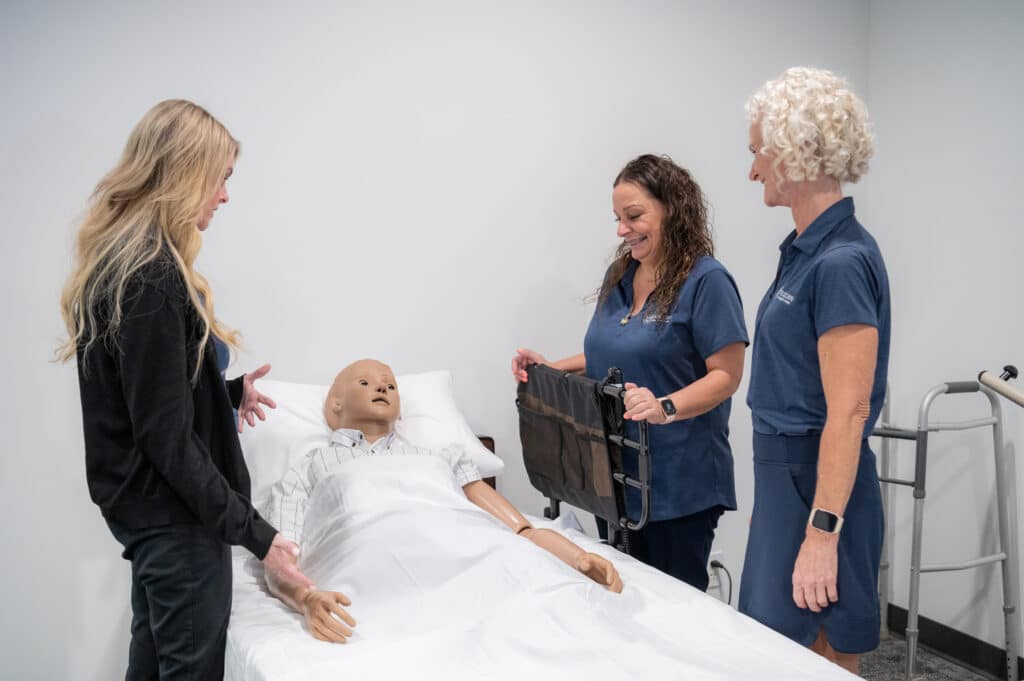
column 326, row 618
column 281, row 564
column 524, row 358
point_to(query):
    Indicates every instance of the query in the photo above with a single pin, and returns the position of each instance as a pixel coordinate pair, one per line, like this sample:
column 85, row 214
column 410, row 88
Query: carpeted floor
column 888, row 663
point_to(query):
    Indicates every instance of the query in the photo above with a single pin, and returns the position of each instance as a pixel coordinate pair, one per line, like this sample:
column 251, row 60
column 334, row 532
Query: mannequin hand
column 326, row 618
column 642, row 405
column 601, row 570
column 524, row 358
column 814, row 574
column 281, row 564
column 249, row 409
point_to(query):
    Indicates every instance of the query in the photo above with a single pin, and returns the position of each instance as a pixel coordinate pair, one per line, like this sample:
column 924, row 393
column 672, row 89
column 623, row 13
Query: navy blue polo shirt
column 691, row 460
column 829, row 276
column 223, row 353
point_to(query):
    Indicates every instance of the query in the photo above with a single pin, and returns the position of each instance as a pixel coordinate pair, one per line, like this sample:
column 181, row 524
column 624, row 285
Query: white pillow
column 429, row 418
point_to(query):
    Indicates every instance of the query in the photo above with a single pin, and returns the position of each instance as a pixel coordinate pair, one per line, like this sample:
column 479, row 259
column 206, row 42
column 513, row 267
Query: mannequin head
column 364, row 396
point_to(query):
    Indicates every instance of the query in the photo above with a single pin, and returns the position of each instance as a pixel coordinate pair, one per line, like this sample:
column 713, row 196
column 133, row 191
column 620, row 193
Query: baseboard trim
column 957, row 645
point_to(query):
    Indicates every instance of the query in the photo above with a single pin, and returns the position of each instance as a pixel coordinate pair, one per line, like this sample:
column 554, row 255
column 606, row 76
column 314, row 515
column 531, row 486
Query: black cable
column 717, row 565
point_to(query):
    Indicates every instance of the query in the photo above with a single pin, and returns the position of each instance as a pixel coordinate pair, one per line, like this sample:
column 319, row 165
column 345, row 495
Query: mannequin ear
column 332, row 410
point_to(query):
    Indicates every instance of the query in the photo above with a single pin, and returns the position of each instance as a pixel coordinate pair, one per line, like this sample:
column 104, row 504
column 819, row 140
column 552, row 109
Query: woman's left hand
column 642, row 405
column 249, row 409
column 816, row 570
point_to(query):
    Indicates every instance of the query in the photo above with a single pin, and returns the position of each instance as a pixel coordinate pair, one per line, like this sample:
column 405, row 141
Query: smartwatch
column 669, row 408
column 826, row 521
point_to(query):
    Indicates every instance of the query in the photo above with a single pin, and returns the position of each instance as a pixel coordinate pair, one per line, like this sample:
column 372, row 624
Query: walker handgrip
column 954, row 387
column 1002, row 387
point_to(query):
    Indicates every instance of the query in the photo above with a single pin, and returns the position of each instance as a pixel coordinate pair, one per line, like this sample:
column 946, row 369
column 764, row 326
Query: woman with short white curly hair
column 820, row 358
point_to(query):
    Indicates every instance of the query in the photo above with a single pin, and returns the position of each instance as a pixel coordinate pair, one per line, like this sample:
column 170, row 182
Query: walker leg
column 884, row 574
column 920, row 470
column 1007, row 545
column 915, row 587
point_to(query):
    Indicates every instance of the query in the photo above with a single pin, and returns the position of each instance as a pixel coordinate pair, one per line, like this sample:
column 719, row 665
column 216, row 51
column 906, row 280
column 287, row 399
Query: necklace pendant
column 624, row 321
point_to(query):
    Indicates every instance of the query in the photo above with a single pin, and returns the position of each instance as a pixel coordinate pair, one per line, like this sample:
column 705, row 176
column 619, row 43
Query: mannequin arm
column 325, row 617
column 488, row 498
column 288, row 592
column 592, row 565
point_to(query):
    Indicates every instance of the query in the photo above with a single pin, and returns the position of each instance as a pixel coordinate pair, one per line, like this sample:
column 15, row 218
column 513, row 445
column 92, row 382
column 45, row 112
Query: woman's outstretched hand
column 249, row 409
column 523, row 359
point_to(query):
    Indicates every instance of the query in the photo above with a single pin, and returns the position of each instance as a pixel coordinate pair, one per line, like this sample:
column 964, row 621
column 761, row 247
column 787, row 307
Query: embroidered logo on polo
column 784, row 296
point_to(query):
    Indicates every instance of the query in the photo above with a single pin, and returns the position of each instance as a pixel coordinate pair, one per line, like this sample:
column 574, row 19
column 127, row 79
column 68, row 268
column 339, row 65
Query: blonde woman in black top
column 163, row 461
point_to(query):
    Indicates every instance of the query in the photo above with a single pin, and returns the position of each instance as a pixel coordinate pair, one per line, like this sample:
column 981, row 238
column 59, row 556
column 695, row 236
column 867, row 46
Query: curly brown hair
column 685, row 233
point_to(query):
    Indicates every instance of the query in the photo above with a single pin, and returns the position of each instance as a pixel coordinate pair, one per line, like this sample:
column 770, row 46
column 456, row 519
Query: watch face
column 825, row 521
column 668, row 407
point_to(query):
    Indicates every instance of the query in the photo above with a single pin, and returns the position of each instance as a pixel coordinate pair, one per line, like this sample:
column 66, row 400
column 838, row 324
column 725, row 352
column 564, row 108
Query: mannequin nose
column 382, row 388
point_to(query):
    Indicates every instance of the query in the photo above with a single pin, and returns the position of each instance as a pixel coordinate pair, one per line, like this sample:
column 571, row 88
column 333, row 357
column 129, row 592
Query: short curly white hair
column 814, row 124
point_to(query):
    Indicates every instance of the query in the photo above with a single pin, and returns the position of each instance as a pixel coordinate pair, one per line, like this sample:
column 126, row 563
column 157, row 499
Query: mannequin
column 364, row 403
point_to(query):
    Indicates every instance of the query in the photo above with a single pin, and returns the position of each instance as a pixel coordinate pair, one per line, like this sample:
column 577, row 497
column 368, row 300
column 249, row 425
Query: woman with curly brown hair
column 670, row 317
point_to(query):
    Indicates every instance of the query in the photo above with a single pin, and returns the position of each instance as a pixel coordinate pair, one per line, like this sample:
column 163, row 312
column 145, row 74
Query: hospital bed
column 479, row 602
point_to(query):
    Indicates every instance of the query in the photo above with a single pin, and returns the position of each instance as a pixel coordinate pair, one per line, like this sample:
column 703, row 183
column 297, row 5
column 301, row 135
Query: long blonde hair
column 173, row 163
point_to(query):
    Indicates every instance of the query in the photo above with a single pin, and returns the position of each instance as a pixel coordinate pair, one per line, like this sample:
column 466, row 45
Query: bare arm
column 525, row 357
column 725, row 369
column 289, row 592
column 488, row 498
column 575, row 364
column 323, row 611
column 596, row 567
column 847, row 356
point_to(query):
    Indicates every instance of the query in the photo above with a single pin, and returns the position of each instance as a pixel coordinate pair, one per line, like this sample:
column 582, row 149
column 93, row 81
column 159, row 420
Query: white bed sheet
column 477, row 602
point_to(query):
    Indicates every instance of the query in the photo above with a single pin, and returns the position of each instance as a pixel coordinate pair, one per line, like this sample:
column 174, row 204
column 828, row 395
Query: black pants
column 679, row 547
column 181, row 601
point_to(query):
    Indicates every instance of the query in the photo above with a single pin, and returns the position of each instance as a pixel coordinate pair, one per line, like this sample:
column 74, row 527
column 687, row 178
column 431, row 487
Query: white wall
column 429, row 186
column 945, row 93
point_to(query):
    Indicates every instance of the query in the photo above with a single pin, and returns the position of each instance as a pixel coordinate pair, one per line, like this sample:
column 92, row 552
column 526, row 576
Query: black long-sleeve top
column 158, row 448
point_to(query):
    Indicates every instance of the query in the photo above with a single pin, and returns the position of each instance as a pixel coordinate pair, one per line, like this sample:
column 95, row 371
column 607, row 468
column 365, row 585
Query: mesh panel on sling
column 570, row 427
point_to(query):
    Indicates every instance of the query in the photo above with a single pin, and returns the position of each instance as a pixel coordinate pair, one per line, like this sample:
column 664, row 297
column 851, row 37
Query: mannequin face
column 365, row 392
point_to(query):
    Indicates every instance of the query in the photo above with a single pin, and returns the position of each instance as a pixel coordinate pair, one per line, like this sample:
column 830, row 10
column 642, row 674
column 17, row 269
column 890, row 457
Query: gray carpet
column 889, row 661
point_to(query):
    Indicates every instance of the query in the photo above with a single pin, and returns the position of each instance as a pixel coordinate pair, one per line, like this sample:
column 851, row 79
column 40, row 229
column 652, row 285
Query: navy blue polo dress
column 692, row 466
column 831, row 275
